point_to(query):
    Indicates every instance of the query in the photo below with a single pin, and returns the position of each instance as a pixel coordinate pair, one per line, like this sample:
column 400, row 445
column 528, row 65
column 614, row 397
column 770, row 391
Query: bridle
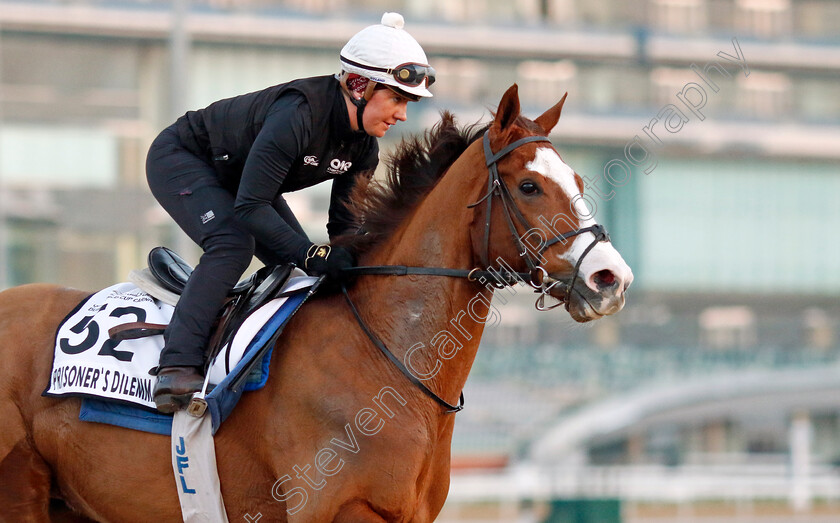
column 538, row 277
column 502, row 277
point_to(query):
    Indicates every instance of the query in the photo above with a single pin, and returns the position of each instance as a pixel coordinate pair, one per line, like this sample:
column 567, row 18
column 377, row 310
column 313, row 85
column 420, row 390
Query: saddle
column 166, row 277
column 172, row 272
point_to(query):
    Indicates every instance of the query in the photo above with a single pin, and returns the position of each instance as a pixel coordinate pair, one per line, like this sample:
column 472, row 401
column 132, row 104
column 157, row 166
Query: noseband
column 537, row 276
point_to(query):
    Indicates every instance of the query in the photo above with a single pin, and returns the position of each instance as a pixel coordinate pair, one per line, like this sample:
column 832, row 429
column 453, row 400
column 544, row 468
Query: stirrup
column 171, row 403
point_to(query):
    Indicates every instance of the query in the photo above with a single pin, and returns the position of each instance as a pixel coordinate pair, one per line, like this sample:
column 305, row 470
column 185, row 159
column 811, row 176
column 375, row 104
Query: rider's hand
column 325, row 260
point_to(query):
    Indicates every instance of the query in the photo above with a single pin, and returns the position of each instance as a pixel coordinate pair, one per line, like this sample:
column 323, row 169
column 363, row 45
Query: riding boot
column 175, row 386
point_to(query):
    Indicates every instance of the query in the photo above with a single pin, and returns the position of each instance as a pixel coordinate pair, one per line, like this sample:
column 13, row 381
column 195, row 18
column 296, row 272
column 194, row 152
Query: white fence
column 688, row 483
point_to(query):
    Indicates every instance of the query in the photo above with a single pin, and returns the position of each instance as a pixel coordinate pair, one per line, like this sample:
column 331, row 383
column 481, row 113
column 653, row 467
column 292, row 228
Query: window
column 543, row 83
column 667, row 82
column 820, row 18
column 766, row 18
column 765, row 95
column 459, row 80
column 728, row 327
column 30, row 250
column 679, row 16
column 561, row 12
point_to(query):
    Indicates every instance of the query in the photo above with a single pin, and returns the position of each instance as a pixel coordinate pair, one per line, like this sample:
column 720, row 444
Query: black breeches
column 188, row 189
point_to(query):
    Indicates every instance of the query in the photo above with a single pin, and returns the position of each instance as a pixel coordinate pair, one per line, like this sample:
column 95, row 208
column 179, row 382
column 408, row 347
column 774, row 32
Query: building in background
column 723, row 175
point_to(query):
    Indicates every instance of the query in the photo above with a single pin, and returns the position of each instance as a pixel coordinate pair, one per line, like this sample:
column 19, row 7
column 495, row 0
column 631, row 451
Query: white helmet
column 387, row 54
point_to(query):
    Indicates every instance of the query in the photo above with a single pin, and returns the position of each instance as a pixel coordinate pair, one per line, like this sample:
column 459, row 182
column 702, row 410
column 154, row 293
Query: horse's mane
column 412, row 170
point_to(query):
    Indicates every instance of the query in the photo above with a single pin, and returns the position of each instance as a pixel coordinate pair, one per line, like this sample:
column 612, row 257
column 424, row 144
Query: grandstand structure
column 707, row 131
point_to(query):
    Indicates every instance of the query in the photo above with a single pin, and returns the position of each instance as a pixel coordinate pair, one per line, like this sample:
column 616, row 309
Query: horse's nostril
column 604, row 278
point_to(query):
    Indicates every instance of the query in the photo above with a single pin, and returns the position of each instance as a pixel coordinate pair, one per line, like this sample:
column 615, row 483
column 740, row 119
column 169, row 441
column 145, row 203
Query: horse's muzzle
column 585, row 299
column 585, row 304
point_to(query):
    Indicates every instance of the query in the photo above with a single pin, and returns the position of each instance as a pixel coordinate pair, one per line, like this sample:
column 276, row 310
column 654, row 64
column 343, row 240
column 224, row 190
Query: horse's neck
column 429, row 313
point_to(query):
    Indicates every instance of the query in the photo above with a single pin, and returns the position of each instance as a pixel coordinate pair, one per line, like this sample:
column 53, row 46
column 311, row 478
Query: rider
column 220, row 172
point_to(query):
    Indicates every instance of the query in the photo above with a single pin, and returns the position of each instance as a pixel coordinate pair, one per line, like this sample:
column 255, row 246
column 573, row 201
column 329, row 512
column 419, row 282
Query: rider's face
column 384, row 109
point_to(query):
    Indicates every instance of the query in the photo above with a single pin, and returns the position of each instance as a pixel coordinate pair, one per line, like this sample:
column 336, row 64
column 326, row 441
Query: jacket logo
column 310, row 160
column 338, row 166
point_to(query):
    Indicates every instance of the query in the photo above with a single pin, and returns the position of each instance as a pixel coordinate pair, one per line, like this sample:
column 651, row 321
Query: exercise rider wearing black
column 220, row 172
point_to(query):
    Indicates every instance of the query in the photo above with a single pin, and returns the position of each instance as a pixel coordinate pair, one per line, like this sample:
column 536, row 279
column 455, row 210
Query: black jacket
column 277, row 140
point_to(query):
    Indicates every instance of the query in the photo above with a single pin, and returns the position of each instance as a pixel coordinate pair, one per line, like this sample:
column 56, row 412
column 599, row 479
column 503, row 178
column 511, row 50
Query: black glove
column 325, row 260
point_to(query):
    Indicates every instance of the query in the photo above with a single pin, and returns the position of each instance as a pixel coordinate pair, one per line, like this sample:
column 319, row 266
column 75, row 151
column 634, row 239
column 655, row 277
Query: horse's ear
column 508, row 108
column 548, row 119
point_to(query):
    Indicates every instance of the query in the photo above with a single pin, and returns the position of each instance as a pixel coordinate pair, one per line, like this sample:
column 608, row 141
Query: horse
column 340, row 432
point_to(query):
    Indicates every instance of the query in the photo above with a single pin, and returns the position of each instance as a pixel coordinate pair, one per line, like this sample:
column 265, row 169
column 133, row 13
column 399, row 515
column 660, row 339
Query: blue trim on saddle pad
column 222, row 399
column 125, row 415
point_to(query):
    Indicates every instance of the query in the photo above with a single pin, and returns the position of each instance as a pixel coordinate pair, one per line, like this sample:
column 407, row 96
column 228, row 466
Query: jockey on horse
column 220, row 172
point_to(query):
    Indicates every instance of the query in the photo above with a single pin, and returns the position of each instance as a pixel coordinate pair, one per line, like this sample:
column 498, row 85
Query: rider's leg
column 227, row 254
column 188, row 189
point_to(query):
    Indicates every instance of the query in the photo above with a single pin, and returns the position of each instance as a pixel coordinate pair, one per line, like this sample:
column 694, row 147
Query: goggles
column 410, row 74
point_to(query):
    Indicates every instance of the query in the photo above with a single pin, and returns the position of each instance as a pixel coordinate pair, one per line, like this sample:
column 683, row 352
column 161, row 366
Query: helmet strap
column 360, row 103
column 360, row 110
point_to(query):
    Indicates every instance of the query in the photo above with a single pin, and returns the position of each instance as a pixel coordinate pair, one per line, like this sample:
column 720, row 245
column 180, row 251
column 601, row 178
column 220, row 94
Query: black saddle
column 173, row 272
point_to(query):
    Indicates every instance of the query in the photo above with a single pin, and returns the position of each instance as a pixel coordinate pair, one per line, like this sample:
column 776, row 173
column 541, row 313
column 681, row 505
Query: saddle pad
column 221, row 400
column 88, row 364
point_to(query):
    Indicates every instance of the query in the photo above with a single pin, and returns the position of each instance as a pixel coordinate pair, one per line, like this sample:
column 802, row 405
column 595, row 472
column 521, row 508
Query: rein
column 396, row 361
column 499, row 279
column 537, row 276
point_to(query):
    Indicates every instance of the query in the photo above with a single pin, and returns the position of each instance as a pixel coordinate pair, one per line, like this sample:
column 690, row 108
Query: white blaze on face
column 548, row 163
column 603, row 256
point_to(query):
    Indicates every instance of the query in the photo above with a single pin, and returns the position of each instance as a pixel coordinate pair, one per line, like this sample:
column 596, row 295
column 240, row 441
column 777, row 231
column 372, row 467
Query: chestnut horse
column 339, row 433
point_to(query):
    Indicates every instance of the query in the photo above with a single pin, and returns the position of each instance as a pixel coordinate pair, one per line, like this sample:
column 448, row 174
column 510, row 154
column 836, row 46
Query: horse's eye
column 529, row 188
